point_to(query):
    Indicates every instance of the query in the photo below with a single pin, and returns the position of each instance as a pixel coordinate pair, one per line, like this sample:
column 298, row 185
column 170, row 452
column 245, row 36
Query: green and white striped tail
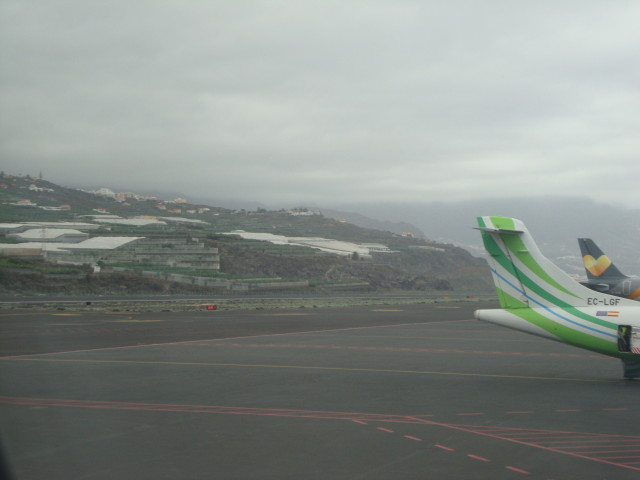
column 538, row 297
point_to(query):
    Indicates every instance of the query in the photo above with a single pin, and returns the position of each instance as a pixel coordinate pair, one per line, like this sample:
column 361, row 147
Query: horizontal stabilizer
column 498, row 230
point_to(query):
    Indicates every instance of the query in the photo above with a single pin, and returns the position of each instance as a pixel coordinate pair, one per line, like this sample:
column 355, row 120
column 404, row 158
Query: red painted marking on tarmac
column 444, row 448
column 360, row 422
column 519, row 470
column 210, row 409
column 510, row 434
column 521, row 436
column 385, row 430
column 593, row 452
column 413, row 438
column 614, row 409
column 557, row 438
column 482, row 459
column 480, row 431
column 627, row 456
column 609, row 441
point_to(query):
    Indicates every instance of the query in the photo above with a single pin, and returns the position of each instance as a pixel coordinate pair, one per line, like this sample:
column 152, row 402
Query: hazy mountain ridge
column 555, row 222
column 399, row 228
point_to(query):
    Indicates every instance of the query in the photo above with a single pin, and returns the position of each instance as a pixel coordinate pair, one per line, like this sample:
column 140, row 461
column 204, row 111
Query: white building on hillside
column 59, row 235
column 337, row 247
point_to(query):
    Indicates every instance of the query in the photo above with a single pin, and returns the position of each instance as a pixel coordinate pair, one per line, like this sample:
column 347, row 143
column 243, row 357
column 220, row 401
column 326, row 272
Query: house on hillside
column 24, row 203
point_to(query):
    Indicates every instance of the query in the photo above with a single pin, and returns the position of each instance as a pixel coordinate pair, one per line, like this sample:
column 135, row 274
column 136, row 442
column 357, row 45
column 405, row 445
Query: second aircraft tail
column 597, row 265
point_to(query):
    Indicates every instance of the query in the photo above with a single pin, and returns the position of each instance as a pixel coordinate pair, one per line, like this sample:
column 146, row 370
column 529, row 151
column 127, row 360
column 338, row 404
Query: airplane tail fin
column 524, row 277
column 597, row 265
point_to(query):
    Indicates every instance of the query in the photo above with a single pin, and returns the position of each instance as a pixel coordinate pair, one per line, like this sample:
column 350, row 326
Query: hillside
column 415, row 264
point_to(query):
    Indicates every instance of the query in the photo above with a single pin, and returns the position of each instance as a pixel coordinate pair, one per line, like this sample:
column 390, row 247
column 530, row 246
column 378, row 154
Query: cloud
column 325, row 101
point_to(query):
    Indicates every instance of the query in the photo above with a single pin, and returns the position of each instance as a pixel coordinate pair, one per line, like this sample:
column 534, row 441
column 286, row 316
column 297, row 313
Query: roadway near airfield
column 370, row 392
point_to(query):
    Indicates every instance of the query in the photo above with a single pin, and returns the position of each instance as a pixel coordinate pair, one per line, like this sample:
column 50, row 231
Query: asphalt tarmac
column 391, row 392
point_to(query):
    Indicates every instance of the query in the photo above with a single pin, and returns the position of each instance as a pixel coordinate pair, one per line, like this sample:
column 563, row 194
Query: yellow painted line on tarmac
column 137, row 321
column 306, row 367
column 116, row 313
column 66, row 314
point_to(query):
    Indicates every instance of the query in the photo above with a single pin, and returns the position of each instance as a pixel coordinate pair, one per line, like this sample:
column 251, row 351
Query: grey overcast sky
column 325, row 101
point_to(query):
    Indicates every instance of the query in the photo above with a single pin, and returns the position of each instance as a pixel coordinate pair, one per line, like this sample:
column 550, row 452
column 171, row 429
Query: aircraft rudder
column 503, row 271
column 520, row 269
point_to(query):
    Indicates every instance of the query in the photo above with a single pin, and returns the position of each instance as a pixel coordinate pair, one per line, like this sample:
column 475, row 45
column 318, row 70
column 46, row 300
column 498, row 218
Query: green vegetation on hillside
column 13, row 264
column 416, row 264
